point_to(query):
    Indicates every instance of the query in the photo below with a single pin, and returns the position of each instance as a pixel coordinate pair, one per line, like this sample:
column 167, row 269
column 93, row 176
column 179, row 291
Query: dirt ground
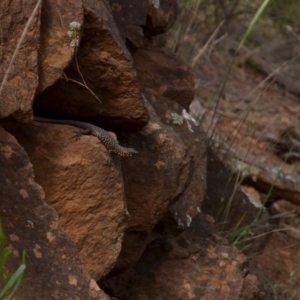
column 254, row 114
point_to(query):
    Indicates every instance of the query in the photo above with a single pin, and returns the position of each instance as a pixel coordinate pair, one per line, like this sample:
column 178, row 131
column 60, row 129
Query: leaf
column 14, row 282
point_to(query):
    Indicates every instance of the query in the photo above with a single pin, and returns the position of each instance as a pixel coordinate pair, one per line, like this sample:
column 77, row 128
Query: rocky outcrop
column 132, row 221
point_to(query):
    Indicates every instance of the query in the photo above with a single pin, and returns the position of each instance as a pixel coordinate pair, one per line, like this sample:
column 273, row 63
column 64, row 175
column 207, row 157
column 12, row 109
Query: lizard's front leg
column 79, row 134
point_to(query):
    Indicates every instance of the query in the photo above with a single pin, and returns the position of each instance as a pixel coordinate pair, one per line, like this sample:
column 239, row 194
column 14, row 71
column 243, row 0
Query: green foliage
column 11, row 282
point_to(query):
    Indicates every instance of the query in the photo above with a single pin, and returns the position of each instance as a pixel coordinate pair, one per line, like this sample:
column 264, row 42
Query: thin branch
column 84, row 85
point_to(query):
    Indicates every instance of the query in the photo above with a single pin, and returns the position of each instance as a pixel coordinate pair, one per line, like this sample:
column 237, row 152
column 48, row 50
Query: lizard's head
column 128, row 152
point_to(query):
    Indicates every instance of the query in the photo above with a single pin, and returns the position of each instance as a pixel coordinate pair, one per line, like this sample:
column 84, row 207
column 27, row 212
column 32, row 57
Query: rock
column 84, row 185
column 135, row 36
column 190, row 201
column 251, row 289
column 198, row 264
column 128, row 13
column 161, row 15
column 61, row 28
column 166, row 247
column 226, row 202
column 164, row 74
column 100, row 84
column 191, row 192
column 53, row 267
column 19, row 45
column 153, row 181
column 156, row 74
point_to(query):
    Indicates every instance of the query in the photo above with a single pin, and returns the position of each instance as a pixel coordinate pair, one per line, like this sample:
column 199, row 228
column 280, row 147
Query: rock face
column 19, row 46
column 100, row 84
column 58, row 31
column 84, row 185
column 54, row 269
column 152, row 182
column 159, row 70
column 128, row 223
column 170, row 93
column 133, row 13
column 195, row 265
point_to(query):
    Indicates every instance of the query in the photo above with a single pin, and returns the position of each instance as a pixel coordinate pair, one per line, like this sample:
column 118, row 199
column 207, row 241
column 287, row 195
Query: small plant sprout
column 73, row 33
column 11, row 281
column 155, row 3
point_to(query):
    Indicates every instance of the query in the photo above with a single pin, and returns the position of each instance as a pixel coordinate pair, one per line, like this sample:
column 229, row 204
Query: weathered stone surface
column 190, row 201
column 59, row 34
column 128, row 12
column 19, row 45
column 198, row 264
column 104, row 69
column 54, row 269
column 161, row 71
column 84, row 185
column 153, row 181
column 161, row 15
column 163, row 80
column 135, row 36
column 251, row 290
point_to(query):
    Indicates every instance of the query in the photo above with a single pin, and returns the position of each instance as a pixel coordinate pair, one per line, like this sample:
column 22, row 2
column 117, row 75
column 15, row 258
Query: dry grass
column 236, row 117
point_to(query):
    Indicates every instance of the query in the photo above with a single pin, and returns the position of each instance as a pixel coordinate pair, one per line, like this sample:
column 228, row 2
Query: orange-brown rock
column 139, row 215
column 160, row 71
column 251, row 289
column 135, row 36
column 101, row 80
column 84, row 185
column 220, row 188
column 190, row 201
column 19, row 45
column 153, row 181
column 61, row 29
column 128, row 13
column 198, row 264
column 53, row 267
column 167, row 73
column 161, row 15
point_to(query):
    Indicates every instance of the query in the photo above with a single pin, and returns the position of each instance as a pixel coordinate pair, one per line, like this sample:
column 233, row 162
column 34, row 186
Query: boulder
column 54, row 269
column 84, row 185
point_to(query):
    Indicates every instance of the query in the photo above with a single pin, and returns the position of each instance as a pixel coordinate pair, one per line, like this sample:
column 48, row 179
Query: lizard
column 111, row 144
